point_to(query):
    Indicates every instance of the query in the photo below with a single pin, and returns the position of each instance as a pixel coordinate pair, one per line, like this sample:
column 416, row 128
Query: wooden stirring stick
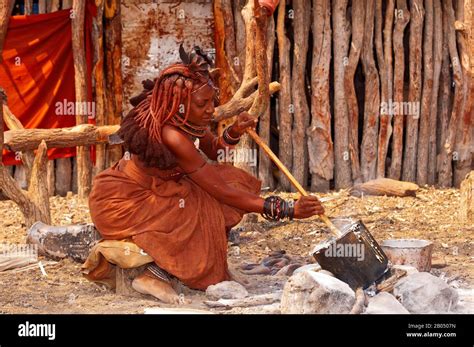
column 288, row 174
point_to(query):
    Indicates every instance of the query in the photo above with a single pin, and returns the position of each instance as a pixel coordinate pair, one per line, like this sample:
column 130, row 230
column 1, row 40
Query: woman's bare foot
column 237, row 276
column 159, row 289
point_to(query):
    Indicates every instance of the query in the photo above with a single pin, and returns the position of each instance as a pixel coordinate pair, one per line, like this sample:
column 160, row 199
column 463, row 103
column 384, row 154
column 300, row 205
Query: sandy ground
column 432, row 215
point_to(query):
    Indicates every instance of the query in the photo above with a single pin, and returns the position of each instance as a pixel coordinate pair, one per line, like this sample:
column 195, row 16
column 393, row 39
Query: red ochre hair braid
column 141, row 128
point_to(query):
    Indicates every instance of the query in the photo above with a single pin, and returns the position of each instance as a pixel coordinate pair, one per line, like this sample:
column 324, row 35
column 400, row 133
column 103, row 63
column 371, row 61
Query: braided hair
column 159, row 102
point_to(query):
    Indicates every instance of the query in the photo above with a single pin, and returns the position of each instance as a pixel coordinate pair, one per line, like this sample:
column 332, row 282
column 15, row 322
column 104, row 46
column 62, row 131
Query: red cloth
column 37, row 71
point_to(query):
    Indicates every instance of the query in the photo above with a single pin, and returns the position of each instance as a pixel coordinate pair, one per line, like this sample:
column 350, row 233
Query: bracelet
column 229, row 139
column 275, row 208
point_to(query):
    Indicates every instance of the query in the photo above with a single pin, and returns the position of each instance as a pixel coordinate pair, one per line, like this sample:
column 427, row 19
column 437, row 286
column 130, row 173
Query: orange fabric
column 178, row 224
column 37, row 71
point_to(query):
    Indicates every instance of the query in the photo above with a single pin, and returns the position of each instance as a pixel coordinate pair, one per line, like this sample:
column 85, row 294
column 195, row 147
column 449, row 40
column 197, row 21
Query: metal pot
column 413, row 252
column 355, row 257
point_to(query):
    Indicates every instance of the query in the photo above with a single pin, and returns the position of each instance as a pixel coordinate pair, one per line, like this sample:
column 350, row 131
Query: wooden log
column 445, row 171
column 28, row 7
column 368, row 154
column 224, row 39
column 463, row 144
column 285, row 107
column 34, row 204
column 50, row 177
column 6, row 8
column 264, row 163
column 42, row 6
column 256, row 300
column 426, row 98
column 437, row 60
column 63, row 175
column 414, row 90
column 113, row 73
column 124, row 279
column 27, row 156
column 99, row 83
column 245, row 143
column 466, row 207
column 20, row 176
column 10, row 262
column 320, row 143
column 59, row 242
column 80, row 83
column 358, row 22
column 38, row 189
column 74, row 182
column 301, row 26
column 79, row 135
column 384, row 58
column 240, row 39
column 341, row 28
column 359, row 304
column 385, row 186
column 226, row 56
column 66, row 4
column 54, row 6
column 444, row 106
column 401, row 21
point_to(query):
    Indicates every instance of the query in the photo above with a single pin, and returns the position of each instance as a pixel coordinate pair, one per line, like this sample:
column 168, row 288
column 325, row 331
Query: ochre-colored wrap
column 178, row 224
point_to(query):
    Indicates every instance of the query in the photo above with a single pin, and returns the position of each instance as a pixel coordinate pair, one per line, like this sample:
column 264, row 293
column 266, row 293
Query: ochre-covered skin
column 179, row 224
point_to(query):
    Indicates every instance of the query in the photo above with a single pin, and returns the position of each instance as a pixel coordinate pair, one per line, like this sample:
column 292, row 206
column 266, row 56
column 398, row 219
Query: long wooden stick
column 290, row 177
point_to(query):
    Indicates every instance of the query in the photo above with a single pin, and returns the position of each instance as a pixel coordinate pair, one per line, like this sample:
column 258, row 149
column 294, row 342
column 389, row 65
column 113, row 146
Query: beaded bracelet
column 229, row 139
column 275, row 208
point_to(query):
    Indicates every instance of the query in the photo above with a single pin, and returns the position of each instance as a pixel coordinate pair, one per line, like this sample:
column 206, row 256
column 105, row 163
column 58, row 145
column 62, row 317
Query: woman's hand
column 307, row 206
column 243, row 122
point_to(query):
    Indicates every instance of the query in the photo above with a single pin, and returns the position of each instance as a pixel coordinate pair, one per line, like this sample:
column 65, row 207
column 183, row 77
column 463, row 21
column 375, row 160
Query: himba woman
column 166, row 197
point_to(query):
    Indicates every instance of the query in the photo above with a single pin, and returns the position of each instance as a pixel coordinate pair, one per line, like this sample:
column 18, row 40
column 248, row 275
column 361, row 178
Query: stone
column 385, row 303
column 288, row 270
column 409, row 269
column 310, row 267
column 424, row 293
column 226, row 290
column 313, row 292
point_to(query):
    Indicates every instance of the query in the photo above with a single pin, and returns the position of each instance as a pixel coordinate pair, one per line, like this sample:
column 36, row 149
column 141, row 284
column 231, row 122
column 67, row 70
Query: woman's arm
column 211, row 145
column 204, row 175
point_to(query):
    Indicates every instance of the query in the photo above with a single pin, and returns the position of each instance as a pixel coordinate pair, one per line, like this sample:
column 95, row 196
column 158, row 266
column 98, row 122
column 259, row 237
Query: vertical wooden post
column 80, row 81
column 401, row 20
column 28, row 7
column 284, row 96
column 462, row 163
column 42, row 6
column 320, row 144
column 113, row 63
column 246, row 142
column 98, row 75
column 368, row 152
column 301, row 25
column 445, row 171
column 341, row 28
column 358, row 20
column 437, row 60
column 385, row 59
column 414, row 90
column 66, row 4
column 424, row 131
column 54, row 6
column 264, row 163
